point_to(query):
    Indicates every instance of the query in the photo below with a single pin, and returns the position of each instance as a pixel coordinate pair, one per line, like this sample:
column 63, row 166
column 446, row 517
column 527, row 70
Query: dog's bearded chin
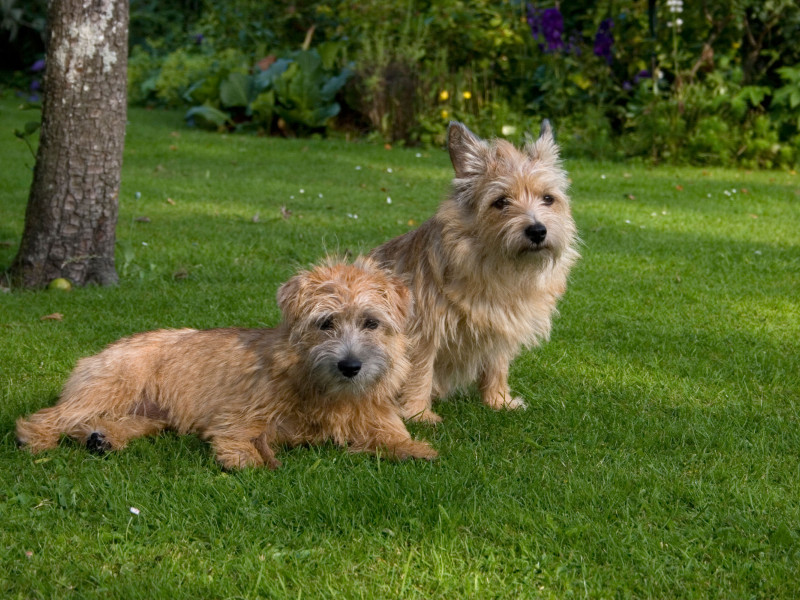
column 533, row 250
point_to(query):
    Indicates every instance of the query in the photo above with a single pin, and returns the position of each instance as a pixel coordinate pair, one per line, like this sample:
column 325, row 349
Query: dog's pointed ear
column 290, row 295
column 400, row 300
column 468, row 152
column 544, row 149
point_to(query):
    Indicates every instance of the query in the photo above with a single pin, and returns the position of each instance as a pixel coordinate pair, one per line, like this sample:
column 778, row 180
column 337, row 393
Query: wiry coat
column 487, row 270
column 248, row 390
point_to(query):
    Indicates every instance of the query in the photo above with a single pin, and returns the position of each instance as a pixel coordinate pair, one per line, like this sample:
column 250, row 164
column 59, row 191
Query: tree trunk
column 71, row 216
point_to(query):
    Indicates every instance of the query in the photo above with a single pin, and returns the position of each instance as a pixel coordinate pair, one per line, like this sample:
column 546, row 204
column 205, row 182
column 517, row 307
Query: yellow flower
column 445, row 114
column 467, row 95
column 444, row 95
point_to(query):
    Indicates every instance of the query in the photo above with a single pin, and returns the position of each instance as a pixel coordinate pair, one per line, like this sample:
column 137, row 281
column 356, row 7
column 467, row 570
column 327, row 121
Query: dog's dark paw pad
column 97, row 443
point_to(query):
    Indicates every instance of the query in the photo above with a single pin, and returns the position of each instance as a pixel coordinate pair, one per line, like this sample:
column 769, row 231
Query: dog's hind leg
column 105, row 433
column 417, row 393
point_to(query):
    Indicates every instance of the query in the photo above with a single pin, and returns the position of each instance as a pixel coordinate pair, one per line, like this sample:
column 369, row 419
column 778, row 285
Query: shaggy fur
column 487, row 270
column 330, row 371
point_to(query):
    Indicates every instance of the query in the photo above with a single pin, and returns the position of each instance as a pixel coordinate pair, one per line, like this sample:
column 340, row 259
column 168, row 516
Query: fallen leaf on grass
column 52, row 317
column 142, row 219
column 256, row 218
column 679, row 187
column 285, row 212
column 170, row 201
column 180, row 274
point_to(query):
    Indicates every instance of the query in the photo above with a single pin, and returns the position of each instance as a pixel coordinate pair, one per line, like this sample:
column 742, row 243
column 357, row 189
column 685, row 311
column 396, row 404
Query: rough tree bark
column 71, row 216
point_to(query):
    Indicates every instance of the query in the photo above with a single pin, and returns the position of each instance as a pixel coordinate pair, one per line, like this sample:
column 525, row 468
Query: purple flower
column 574, row 44
column 626, row 85
column 547, row 27
column 37, row 66
column 604, row 40
column 643, row 74
column 552, row 29
column 36, row 85
column 198, row 39
column 535, row 21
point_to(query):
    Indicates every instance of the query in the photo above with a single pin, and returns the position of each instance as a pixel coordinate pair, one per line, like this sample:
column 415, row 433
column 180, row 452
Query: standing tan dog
column 331, row 371
column 487, row 270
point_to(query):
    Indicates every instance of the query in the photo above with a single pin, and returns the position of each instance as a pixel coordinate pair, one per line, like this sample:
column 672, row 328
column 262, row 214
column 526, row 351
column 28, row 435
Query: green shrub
column 194, row 77
column 298, row 89
column 721, row 95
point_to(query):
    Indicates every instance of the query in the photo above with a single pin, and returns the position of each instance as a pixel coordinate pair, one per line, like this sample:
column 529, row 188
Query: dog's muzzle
column 349, row 367
column 536, row 233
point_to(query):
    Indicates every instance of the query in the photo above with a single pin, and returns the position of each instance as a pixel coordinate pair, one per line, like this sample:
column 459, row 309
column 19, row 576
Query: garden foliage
column 716, row 82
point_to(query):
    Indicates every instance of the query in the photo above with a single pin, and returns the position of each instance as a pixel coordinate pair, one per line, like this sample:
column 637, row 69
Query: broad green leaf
column 235, row 90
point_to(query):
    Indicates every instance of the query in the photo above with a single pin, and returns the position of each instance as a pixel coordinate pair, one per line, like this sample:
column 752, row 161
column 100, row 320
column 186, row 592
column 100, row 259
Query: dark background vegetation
column 711, row 82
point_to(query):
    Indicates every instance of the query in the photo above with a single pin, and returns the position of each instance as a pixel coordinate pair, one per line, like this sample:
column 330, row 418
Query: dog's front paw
column 424, row 416
column 506, row 403
column 413, row 449
column 516, row 403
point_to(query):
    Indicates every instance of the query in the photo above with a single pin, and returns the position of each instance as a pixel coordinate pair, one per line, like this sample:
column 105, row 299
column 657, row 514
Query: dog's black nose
column 536, row 232
column 349, row 367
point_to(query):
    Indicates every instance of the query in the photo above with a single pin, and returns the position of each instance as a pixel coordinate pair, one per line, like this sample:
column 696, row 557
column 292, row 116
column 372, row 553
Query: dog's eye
column 548, row 199
column 501, row 203
column 371, row 324
column 326, row 323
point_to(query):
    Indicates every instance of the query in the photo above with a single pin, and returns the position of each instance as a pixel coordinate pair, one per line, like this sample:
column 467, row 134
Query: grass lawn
column 659, row 456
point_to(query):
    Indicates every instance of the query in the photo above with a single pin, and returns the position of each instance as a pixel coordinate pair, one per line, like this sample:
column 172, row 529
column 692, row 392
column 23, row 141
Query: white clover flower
column 675, row 6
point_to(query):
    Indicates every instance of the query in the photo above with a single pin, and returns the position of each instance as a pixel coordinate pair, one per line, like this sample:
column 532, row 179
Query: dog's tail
column 41, row 430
